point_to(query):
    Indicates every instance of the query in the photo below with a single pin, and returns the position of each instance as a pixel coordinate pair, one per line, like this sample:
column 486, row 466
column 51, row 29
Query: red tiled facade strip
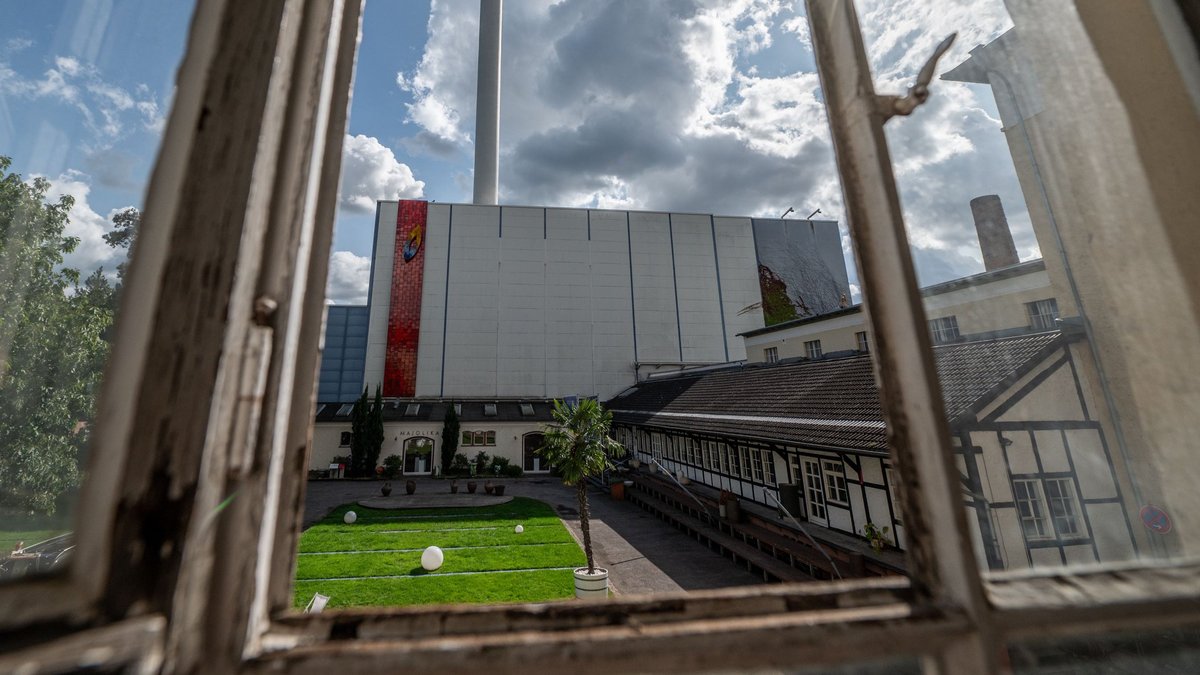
column 404, row 311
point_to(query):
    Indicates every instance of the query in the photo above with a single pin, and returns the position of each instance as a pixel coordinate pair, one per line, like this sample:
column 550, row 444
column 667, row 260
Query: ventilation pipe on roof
column 487, row 103
column 995, row 239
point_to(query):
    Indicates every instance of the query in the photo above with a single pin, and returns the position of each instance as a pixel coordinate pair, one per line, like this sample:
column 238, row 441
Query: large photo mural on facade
column 801, row 272
column 404, row 311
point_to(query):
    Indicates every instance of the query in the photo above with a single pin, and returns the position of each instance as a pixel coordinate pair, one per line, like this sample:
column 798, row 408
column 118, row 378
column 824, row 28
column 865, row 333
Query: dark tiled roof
column 826, row 402
column 434, row 410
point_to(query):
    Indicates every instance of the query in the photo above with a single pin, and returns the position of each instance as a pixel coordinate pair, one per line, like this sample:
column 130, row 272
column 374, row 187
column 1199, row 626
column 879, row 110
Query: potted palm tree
column 577, row 443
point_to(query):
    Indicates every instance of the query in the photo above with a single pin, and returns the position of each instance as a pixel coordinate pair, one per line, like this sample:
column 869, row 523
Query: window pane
column 84, row 92
column 1164, row 651
column 1067, row 370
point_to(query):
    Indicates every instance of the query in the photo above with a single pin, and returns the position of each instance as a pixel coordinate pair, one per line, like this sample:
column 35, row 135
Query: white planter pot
column 588, row 586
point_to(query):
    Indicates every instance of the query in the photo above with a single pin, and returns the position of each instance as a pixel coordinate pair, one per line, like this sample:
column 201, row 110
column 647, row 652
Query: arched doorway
column 418, row 455
column 531, row 460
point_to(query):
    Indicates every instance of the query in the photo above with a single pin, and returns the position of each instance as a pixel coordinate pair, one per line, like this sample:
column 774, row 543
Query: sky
column 710, row 106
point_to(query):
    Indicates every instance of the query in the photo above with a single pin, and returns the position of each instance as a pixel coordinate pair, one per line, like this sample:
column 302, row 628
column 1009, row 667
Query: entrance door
column 531, row 460
column 814, row 492
column 418, row 455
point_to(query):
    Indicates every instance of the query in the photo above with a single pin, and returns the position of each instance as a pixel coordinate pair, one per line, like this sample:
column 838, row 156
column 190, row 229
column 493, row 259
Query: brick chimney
column 995, row 239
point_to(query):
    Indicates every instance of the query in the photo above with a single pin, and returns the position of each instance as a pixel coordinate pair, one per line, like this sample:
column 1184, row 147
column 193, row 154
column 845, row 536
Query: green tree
column 366, row 434
column 450, row 431
column 375, row 432
column 52, row 347
column 358, row 434
column 578, row 445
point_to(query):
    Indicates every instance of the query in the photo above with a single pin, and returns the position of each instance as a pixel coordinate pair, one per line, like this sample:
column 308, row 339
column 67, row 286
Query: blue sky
column 690, row 105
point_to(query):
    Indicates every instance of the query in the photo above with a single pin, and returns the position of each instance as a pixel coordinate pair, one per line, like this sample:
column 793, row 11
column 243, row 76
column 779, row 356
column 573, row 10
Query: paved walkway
column 642, row 554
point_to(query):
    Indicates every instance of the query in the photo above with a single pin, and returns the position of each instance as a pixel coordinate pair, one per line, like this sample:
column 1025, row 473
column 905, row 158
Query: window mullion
column 941, row 560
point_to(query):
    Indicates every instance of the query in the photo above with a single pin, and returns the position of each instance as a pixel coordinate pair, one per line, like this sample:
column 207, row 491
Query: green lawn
column 30, row 529
column 377, row 560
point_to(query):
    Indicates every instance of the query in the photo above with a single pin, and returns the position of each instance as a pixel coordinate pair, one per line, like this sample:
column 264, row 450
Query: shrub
column 393, row 466
column 481, row 462
column 513, row 471
column 500, row 465
column 460, row 464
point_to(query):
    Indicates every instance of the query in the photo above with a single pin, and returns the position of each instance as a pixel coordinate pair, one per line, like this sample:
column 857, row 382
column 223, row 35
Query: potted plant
column 386, row 489
column 410, row 487
column 471, row 486
column 577, row 443
column 454, row 486
column 878, row 536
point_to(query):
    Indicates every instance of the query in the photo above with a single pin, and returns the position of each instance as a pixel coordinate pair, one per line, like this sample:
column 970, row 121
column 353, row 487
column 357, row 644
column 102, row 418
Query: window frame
column 862, row 342
column 944, row 329
column 812, row 349
column 837, row 491
column 1032, row 501
column 1038, row 320
column 288, row 64
column 771, row 354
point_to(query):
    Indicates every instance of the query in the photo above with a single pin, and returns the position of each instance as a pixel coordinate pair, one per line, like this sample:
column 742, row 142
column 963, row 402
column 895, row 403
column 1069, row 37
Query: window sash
column 1031, row 509
column 812, row 349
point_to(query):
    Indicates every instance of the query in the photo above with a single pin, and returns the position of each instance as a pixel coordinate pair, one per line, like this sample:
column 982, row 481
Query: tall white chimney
column 487, row 102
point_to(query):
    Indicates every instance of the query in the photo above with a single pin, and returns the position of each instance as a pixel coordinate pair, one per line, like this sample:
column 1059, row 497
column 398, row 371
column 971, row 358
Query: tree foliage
column 52, row 347
column 366, row 434
column 450, row 431
column 577, row 444
column 375, row 431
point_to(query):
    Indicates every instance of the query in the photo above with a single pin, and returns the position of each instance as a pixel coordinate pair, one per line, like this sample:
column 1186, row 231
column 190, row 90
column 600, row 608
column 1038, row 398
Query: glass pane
column 84, row 91
column 1166, row 651
column 679, row 211
column 1069, row 376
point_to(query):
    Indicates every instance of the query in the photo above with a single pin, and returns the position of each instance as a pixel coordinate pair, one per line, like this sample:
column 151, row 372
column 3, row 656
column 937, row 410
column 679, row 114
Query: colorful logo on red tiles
column 413, row 245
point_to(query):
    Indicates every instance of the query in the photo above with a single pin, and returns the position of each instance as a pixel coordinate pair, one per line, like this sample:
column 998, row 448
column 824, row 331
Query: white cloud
column 370, row 172
column 107, row 109
column 85, row 224
column 349, row 278
column 683, row 105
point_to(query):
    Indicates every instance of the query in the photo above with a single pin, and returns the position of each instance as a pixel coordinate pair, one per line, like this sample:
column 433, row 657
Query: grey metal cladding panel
column 653, row 287
column 696, row 285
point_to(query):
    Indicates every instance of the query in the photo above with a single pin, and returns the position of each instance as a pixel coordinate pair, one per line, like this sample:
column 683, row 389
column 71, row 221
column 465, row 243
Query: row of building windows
column 478, row 438
column 812, row 348
column 742, row 462
column 1042, row 315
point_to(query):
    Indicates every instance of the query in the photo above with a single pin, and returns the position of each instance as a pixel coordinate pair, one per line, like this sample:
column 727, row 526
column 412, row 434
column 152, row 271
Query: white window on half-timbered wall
column 814, row 490
column 835, row 482
column 1048, row 508
column 1031, row 505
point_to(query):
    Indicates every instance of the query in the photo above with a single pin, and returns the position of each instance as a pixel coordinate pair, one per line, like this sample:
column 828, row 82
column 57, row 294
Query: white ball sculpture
column 432, row 558
column 350, row 517
column 519, row 529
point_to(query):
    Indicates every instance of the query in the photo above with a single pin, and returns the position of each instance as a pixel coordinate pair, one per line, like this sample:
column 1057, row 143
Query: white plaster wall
column 473, row 325
column 433, row 298
column 740, row 292
column 325, row 444
column 521, row 302
column 700, row 321
column 568, row 305
column 611, row 314
column 654, row 288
